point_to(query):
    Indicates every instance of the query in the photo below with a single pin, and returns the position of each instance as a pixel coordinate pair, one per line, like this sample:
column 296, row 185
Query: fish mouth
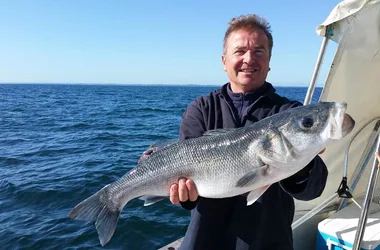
column 342, row 123
column 348, row 124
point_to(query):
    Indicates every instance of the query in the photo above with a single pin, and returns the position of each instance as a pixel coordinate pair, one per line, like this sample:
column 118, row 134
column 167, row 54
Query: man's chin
column 251, row 84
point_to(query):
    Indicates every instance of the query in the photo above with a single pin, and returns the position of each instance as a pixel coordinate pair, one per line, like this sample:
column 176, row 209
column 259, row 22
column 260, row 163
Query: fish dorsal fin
column 218, row 131
column 162, row 144
column 154, row 148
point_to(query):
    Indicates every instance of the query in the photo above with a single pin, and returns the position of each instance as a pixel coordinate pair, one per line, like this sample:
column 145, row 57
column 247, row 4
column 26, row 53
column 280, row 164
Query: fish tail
column 94, row 209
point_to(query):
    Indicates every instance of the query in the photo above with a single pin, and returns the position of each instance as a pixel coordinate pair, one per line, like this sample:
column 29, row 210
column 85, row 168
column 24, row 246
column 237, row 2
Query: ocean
column 59, row 144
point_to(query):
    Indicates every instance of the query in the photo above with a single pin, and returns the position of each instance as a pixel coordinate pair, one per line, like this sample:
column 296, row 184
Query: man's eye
column 239, row 52
column 259, row 52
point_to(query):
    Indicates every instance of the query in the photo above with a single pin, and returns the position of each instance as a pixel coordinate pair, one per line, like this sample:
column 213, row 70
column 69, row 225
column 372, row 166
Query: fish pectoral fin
column 249, row 178
column 255, row 194
column 150, row 199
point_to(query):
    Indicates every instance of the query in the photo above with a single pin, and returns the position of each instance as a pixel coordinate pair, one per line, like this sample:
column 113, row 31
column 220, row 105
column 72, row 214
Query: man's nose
column 249, row 57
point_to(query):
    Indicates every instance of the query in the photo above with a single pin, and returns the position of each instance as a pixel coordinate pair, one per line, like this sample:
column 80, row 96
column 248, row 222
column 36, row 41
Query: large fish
column 223, row 163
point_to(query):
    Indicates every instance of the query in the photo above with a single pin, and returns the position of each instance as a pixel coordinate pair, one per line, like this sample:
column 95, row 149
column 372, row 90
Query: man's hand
column 183, row 191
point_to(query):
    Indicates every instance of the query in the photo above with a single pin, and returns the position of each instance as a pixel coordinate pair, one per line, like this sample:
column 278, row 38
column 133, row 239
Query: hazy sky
column 150, row 42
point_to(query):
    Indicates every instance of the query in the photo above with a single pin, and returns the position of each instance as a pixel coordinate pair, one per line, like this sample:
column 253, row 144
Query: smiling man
column 246, row 59
column 247, row 97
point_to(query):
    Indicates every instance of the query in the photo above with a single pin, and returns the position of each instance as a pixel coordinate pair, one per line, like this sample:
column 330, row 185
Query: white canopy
column 354, row 77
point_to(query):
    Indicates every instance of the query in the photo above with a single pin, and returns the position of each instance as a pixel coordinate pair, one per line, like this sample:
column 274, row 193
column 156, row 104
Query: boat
column 353, row 77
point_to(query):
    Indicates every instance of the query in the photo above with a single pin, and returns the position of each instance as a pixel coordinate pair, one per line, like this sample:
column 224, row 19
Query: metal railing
column 344, row 191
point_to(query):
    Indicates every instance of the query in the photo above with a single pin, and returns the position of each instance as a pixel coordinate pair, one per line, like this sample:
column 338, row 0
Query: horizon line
column 146, row 84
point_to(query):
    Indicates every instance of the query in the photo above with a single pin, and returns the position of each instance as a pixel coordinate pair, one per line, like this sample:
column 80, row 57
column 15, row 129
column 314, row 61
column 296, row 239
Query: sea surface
column 59, row 144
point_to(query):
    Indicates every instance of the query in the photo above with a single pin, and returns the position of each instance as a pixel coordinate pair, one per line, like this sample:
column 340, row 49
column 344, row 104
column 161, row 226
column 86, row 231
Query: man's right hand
column 183, row 191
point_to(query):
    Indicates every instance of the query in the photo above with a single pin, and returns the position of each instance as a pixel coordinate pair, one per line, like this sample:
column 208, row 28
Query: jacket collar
column 266, row 90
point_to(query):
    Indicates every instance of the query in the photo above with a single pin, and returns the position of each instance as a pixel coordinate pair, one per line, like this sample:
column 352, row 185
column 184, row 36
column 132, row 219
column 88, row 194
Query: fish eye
column 307, row 122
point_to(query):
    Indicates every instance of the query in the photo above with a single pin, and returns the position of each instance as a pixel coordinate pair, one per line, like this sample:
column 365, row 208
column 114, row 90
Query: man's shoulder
column 283, row 100
column 206, row 99
column 276, row 99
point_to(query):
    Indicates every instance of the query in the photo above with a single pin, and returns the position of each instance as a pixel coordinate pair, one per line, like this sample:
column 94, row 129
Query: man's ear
column 224, row 63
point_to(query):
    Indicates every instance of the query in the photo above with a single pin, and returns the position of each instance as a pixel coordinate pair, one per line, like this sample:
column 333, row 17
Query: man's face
column 246, row 59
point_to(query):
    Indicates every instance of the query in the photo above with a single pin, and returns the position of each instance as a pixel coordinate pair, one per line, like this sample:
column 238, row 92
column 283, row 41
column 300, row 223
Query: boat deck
column 172, row 246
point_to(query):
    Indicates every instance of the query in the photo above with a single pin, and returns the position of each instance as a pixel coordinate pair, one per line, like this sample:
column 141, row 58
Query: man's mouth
column 248, row 70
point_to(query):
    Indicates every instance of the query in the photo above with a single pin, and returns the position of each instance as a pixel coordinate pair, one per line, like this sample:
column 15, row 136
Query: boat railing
column 367, row 200
column 366, row 156
column 344, row 190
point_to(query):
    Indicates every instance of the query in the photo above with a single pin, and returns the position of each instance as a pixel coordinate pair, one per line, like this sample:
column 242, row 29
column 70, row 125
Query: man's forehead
column 255, row 38
column 241, row 43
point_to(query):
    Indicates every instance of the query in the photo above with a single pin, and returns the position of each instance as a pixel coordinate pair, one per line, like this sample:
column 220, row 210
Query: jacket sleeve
column 192, row 126
column 309, row 182
column 192, row 123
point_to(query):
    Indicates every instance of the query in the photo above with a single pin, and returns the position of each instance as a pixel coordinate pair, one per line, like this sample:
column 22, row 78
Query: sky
column 151, row 42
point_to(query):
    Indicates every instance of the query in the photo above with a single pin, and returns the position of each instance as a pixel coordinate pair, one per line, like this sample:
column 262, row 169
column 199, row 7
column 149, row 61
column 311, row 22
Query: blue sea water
column 59, row 144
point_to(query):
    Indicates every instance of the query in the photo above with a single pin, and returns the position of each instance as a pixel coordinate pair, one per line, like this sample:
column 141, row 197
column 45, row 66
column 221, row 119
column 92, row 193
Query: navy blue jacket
column 229, row 223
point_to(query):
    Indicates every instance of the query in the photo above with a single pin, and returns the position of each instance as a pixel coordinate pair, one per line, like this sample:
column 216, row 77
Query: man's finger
column 193, row 193
column 174, row 197
column 182, row 190
column 378, row 158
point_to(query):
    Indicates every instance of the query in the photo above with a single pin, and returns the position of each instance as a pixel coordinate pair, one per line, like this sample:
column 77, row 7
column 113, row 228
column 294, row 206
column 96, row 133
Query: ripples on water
column 60, row 144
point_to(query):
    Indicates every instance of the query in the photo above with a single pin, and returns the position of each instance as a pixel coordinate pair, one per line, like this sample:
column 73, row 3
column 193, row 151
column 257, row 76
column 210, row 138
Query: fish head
column 313, row 127
column 300, row 133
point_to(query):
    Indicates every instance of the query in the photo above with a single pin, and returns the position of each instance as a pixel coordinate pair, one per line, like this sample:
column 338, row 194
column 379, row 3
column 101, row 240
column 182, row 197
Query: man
column 229, row 223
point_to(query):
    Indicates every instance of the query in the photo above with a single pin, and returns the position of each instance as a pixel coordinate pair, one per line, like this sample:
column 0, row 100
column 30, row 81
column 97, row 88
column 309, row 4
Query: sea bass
column 223, row 162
